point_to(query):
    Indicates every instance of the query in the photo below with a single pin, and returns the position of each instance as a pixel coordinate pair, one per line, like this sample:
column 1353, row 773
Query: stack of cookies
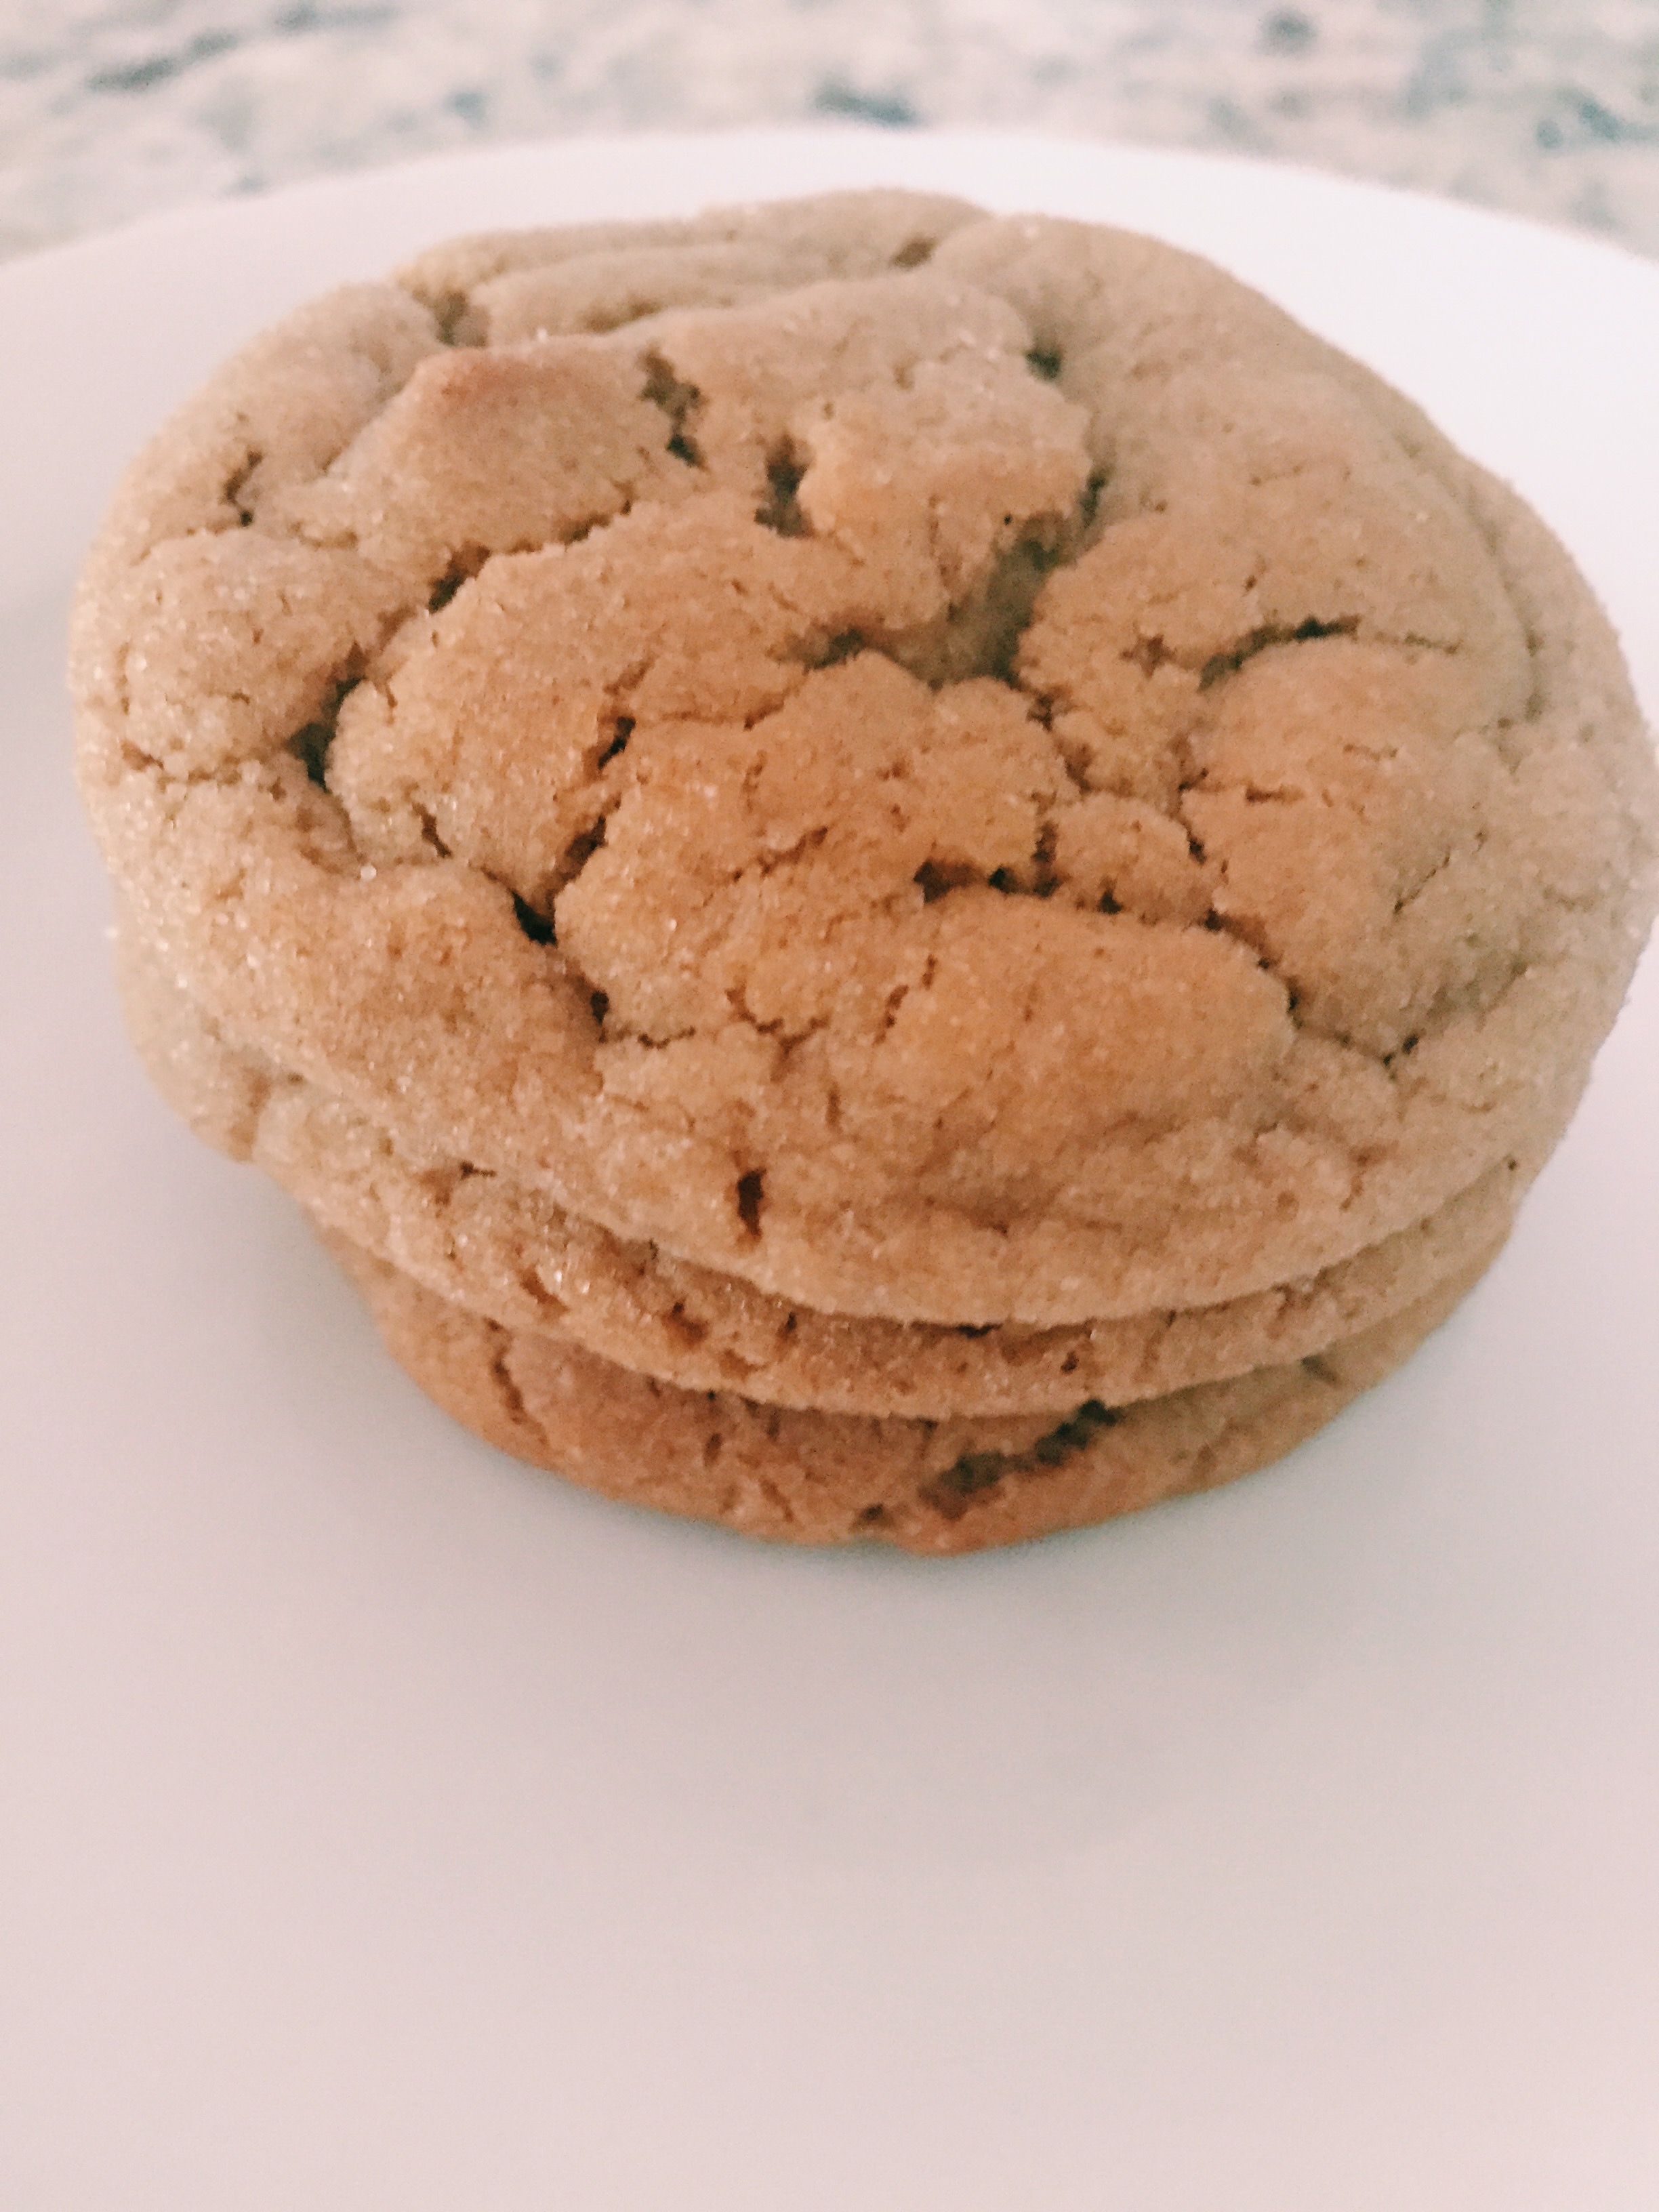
column 880, row 872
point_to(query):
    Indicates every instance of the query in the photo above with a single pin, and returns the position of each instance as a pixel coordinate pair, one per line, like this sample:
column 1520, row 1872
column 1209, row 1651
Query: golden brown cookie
column 957, row 1486
column 1020, row 787
column 483, row 1243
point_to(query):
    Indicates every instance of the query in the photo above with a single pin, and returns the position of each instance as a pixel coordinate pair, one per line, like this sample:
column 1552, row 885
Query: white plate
column 393, row 1827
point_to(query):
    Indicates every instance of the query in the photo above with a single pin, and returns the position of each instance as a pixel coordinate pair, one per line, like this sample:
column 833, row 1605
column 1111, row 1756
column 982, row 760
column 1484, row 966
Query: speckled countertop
column 113, row 108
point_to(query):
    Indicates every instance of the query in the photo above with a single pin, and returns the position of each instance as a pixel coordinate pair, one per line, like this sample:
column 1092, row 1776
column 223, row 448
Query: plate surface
column 390, row 1826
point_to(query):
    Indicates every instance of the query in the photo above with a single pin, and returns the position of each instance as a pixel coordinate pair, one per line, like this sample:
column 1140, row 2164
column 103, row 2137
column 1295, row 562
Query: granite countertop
column 111, row 109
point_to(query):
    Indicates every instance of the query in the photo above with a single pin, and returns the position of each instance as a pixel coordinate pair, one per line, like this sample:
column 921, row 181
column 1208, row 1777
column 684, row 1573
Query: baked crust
column 1020, row 789
column 510, row 1255
column 811, row 1478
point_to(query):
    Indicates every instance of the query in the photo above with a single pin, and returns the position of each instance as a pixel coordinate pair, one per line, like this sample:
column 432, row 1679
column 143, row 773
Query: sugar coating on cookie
column 948, row 769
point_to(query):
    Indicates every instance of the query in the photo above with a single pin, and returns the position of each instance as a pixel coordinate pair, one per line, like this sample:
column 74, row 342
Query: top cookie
column 985, row 775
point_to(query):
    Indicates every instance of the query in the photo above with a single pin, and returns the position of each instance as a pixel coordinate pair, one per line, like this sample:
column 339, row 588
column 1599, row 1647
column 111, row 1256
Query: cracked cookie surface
column 1018, row 787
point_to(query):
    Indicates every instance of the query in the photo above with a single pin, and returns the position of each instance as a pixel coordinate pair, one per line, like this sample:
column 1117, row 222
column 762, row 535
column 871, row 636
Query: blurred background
column 112, row 111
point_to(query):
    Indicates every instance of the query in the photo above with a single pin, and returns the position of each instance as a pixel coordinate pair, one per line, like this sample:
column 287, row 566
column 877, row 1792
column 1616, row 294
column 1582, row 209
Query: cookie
column 946, row 1486
column 883, row 872
column 1019, row 788
column 484, row 1244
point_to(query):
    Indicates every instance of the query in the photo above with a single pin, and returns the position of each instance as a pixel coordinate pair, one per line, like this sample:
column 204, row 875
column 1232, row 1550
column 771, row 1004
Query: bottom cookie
column 809, row 1478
